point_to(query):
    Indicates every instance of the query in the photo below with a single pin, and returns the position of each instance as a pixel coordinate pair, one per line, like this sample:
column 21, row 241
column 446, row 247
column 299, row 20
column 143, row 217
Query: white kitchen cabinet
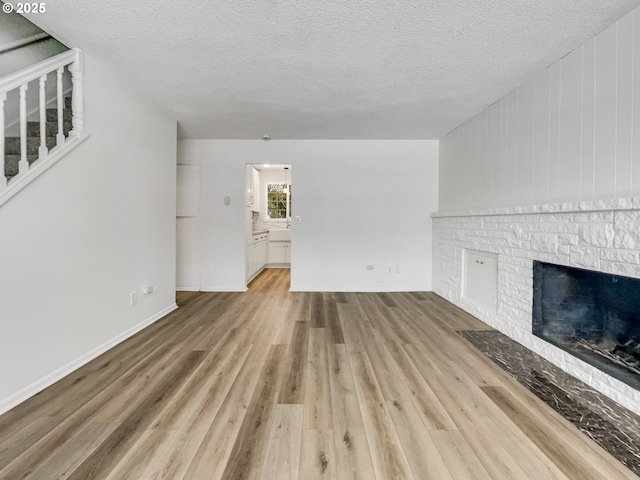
column 256, row 255
column 248, row 185
column 252, row 185
column 279, row 253
column 262, row 254
column 480, row 275
column 256, row 188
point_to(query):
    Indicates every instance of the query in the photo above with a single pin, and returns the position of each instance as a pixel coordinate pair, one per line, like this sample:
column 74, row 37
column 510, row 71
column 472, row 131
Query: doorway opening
column 269, row 205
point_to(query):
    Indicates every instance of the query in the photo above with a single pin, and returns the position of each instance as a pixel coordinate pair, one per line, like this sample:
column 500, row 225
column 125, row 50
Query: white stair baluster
column 43, row 151
column 60, row 136
column 3, row 178
column 18, row 82
column 23, row 165
column 77, row 99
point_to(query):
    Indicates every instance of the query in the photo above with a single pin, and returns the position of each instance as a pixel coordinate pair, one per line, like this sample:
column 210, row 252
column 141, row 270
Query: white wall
column 571, row 133
column 97, row 225
column 360, row 202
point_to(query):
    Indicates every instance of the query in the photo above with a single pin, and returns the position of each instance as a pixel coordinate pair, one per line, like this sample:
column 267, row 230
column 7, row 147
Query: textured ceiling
column 401, row 69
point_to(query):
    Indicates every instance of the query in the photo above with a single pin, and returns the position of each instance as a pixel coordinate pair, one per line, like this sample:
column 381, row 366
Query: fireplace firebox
column 594, row 316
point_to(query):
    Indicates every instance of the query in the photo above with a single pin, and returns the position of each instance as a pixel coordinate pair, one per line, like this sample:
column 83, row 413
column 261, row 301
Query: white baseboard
column 213, row 288
column 187, row 288
column 400, row 289
column 39, row 385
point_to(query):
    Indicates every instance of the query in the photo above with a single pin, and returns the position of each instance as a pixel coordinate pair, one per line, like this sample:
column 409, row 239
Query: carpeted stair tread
column 12, row 145
column 33, row 128
column 11, row 164
column 52, row 115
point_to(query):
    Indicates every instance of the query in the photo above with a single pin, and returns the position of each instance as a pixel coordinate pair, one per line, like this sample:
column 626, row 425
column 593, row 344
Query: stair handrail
column 73, row 60
column 32, row 72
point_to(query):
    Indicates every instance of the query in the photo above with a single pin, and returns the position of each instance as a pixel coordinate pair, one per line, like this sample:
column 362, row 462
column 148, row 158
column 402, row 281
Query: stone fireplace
column 592, row 315
column 597, row 236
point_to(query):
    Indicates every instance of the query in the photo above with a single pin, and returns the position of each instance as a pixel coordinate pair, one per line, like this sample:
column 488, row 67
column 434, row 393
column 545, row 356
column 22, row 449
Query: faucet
column 288, row 222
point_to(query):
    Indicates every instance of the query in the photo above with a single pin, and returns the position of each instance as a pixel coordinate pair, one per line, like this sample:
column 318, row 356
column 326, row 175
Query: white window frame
column 287, row 203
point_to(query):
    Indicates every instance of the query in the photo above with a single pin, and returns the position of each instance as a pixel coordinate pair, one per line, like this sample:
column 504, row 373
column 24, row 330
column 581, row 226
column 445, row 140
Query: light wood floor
column 270, row 384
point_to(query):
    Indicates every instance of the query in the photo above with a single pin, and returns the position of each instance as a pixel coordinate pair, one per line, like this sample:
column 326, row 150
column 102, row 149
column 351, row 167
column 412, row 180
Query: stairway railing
column 73, row 61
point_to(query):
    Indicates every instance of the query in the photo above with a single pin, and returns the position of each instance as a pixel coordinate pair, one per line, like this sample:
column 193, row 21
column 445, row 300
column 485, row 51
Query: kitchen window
column 278, row 200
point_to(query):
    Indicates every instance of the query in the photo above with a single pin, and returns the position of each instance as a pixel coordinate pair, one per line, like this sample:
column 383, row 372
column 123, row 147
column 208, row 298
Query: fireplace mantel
column 604, row 205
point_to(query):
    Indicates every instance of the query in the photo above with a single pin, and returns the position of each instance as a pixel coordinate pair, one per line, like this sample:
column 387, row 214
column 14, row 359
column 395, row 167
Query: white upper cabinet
column 248, row 184
column 252, row 186
column 255, row 187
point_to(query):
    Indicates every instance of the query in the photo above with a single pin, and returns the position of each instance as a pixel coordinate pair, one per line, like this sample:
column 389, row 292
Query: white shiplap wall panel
column 472, row 147
column 526, row 119
column 463, row 151
column 541, row 139
column 494, row 153
column 588, row 120
column 483, row 165
column 468, row 152
column 443, row 175
column 512, row 143
column 606, row 103
column 571, row 133
column 624, row 93
column 635, row 146
column 504, row 155
column 456, row 148
column 555, row 102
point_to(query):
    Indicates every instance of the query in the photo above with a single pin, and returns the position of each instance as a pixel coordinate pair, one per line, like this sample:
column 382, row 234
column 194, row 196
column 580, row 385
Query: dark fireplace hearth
column 592, row 315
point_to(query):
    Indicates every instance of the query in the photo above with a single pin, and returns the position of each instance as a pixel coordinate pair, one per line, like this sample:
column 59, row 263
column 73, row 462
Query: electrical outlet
column 133, row 298
column 397, row 269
